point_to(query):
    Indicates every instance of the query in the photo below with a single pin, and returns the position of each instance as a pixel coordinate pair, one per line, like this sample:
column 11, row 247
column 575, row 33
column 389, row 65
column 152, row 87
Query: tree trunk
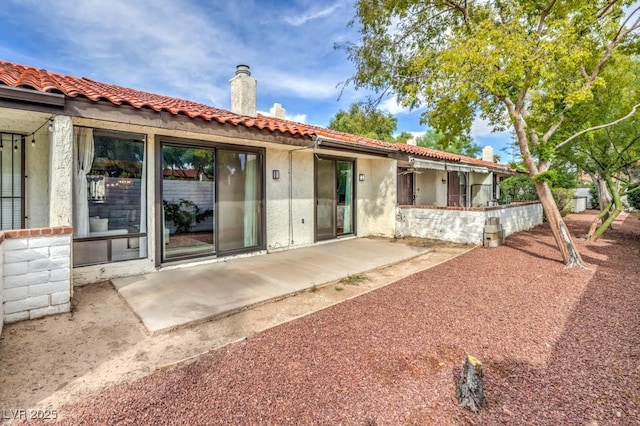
column 567, row 248
column 604, row 197
column 611, row 214
column 598, row 219
column 559, row 229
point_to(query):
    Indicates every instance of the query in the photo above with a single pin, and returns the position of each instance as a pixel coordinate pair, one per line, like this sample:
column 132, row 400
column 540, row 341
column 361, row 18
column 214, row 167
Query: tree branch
column 605, row 9
column 544, row 15
column 552, row 129
column 620, row 35
column 601, row 126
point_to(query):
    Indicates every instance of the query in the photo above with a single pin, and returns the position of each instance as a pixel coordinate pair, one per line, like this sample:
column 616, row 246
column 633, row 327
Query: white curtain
column 83, row 159
column 143, row 200
column 348, row 198
column 250, row 203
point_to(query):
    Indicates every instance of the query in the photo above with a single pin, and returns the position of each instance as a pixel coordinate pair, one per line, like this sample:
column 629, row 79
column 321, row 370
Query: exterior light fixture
column 361, row 177
column 275, row 174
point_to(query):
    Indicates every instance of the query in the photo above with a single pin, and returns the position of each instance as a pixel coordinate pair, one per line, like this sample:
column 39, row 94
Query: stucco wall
column 289, row 222
column 585, row 192
column 376, row 197
column 464, row 225
column 579, row 204
column 36, row 273
column 60, row 172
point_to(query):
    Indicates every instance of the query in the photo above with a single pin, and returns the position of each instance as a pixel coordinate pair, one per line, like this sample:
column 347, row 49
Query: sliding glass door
column 212, row 199
column 334, row 198
column 188, row 194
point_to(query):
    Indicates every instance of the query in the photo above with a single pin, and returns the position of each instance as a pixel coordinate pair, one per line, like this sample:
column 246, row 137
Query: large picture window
column 109, row 208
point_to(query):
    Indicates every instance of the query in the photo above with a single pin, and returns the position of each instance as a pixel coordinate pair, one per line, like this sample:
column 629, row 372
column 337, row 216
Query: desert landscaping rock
column 558, row 346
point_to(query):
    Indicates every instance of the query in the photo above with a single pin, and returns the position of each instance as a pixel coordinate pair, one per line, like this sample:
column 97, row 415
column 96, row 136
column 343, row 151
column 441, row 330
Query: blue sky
column 189, row 49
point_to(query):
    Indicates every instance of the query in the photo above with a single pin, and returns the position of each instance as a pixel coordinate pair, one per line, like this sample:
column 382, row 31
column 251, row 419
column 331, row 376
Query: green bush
column 633, row 195
column 184, row 214
column 564, row 200
column 595, row 199
column 517, row 188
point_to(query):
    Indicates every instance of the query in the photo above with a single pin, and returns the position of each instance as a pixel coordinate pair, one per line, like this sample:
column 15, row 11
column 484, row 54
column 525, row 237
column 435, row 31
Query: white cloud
column 312, row 14
column 189, row 49
column 482, row 128
column 300, row 118
column 392, row 106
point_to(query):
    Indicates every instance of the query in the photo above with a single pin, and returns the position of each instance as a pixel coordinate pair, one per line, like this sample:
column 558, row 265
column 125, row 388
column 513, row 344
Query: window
column 11, row 181
column 109, row 209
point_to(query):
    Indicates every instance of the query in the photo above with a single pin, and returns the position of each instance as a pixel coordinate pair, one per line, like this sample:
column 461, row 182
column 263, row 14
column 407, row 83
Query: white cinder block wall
column 36, row 273
column 464, row 225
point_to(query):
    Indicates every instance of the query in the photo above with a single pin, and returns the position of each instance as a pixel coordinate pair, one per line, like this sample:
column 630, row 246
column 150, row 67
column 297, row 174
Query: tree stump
column 469, row 392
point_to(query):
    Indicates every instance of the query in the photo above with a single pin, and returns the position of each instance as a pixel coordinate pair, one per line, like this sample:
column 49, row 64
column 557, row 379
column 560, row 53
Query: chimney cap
column 243, row 69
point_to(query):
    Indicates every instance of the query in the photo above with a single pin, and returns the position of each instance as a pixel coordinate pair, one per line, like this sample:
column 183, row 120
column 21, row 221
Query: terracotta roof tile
column 16, row 75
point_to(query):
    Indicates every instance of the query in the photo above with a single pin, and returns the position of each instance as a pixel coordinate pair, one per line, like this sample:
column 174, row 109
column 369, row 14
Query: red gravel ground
column 558, row 346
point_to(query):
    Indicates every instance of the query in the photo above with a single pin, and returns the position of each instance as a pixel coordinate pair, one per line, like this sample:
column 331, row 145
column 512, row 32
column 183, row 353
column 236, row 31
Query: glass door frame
column 354, row 197
column 161, row 141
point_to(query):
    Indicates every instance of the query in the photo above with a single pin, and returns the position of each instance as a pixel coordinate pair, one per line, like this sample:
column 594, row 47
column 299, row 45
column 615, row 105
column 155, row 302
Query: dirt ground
column 48, row 362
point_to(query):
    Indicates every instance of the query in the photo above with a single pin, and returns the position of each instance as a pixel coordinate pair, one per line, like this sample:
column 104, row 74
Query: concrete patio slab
column 170, row 299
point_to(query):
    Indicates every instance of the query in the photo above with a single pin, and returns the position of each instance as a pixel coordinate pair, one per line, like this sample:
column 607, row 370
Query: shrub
column 595, row 199
column 517, row 188
column 633, row 195
column 184, row 214
column 564, row 200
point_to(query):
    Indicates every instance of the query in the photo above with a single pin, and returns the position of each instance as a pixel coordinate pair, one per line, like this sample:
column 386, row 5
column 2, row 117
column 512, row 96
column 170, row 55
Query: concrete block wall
column 464, row 225
column 517, row 217
column 36, row 273
column 199, row 192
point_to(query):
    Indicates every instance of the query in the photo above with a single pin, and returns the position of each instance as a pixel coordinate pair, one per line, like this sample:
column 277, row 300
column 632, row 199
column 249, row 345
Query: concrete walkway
column 173, row 298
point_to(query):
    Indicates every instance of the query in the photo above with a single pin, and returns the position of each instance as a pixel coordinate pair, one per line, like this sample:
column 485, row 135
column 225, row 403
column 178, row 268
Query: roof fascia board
column 32, row 96
column 164, row 122
column 322, row 141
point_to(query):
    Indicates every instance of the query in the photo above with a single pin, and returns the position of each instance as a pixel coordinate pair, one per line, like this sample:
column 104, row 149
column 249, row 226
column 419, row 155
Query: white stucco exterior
column 376, row 197
column 37, row 262
column 462, row 225
column 60, row 170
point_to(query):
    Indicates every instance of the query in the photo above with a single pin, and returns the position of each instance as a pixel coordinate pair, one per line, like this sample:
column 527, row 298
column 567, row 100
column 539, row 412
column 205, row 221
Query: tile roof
column 40, row 80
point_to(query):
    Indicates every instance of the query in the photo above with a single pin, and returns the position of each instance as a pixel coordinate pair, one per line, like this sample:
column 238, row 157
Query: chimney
column 243, row 92
column 277, row 111
column 487, row 154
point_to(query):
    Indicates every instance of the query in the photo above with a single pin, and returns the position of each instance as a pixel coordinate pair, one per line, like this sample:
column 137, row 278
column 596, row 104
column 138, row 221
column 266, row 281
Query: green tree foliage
column 365, row 120
column 517, row 188
column 520, row 64
column 403, row 137
column 609, row 152
column 633, row 196
column 462, row 146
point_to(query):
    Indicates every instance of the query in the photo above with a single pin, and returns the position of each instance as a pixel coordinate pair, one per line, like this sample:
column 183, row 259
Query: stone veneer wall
column 36, row 273
column 464, row 225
